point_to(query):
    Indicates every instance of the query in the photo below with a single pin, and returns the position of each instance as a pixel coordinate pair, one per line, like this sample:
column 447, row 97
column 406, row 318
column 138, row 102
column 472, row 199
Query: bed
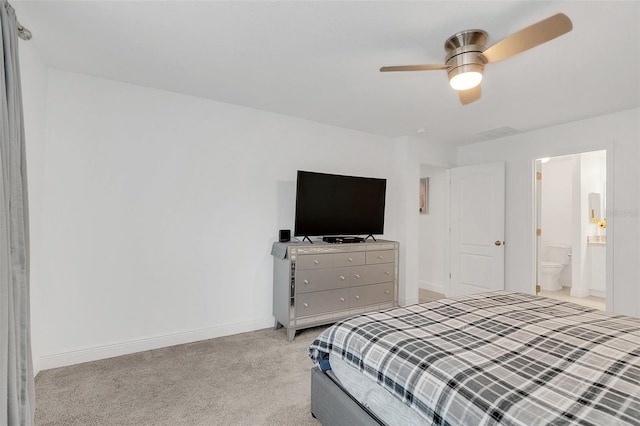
column 490, row 358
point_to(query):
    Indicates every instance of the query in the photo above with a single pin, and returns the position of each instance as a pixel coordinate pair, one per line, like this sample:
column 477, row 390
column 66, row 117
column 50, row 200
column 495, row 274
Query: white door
column 477, row 229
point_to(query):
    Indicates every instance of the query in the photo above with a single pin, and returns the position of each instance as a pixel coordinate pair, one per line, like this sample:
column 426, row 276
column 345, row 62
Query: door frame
column 447, row 219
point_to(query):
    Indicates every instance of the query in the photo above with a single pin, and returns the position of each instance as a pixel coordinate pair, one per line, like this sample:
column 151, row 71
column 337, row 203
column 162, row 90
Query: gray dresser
column 320, row 283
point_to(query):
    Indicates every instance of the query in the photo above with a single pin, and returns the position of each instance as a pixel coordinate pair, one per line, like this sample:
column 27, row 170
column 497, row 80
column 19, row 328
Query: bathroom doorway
column 571, row 228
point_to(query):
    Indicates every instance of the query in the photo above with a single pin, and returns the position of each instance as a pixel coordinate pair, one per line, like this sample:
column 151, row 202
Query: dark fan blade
column 470, row 95
column 414, row 68
column 529, row 37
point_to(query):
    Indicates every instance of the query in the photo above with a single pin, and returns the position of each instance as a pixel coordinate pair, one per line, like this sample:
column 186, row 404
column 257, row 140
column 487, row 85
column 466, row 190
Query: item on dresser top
column 284, row 235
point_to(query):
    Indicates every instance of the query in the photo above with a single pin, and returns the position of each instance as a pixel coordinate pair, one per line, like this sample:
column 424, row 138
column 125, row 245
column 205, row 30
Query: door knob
column 498, row 243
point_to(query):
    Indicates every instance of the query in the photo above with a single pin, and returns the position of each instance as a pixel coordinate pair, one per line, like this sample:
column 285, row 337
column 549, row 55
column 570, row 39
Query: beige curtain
column 17, row 399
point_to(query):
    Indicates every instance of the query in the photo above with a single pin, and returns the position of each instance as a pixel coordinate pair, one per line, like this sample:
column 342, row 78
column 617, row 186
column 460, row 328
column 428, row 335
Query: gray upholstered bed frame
column 334, row 407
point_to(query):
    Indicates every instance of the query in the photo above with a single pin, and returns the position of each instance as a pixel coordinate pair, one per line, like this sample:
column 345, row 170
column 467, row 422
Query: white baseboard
column 407, row 301
column 95, row 353
column 430, row 285
column 579, row 292
column 597, row 293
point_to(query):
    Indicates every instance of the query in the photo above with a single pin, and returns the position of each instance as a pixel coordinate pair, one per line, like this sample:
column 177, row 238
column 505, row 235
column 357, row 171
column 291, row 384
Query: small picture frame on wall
column 424, row 195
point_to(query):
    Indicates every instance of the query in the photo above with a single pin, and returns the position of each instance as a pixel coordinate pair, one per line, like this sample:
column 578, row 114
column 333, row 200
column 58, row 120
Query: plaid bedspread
column 498, row 358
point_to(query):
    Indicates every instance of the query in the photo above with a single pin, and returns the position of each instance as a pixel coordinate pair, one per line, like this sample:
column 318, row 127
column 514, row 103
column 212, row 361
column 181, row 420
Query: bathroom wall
column 593, row 178
column 557, row 211
column 593, row 174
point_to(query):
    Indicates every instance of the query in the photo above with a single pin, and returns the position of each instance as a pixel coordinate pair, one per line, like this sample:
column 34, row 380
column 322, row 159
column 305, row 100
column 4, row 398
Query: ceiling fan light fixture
column 465, row 76
column 465, row 80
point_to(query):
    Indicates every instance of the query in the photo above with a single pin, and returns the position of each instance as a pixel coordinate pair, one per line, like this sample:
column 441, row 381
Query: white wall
column 160, row 210
column 431, row 230
column 557, row 200
column 619, row 134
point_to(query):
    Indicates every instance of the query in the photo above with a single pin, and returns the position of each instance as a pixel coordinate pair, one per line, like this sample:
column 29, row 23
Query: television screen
column 329, row 204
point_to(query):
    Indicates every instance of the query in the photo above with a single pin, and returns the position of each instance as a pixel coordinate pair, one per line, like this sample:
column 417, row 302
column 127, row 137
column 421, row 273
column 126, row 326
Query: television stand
column 321, row 283
column 342, row 240
column 306, row 237
column 372, row 237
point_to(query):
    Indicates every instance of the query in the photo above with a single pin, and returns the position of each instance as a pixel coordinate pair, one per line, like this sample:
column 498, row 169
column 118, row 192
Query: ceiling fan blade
column 470, row 95
column 529, row 37
column 414, row 68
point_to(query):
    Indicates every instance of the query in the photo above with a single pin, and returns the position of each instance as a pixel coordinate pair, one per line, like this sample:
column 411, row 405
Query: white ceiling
column 319, row 60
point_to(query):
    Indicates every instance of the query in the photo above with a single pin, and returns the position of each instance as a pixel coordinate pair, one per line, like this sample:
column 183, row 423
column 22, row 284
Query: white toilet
column 558, row 256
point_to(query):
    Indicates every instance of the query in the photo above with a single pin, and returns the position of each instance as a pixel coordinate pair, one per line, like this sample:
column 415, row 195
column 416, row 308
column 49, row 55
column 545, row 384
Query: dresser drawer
column 371, row 274
column 321, row 302
column 314, row 261
column 321, row 279
column 348, row 259
column 370, row 294
column 381, row 256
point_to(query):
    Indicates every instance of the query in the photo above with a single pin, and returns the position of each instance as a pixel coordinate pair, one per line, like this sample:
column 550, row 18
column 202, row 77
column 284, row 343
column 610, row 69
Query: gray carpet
column 255, row 378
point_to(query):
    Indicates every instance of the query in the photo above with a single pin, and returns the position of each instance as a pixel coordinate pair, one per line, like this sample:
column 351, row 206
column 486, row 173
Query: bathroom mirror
column 594, row 207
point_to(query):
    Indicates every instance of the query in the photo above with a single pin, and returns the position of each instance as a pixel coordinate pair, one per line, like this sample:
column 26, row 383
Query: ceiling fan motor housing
column 463, row 52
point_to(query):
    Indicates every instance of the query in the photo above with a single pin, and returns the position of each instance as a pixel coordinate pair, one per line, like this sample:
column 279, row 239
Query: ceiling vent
column 498, row 132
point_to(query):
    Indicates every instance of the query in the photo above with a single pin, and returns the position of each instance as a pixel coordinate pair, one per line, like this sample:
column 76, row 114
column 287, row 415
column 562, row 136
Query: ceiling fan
column 466, row 55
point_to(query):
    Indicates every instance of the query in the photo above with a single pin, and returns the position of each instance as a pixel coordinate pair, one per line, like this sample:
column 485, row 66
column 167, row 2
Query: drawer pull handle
column 358, row 276
column 317, row 262
column 342, row 299
column 380, row 257
column 350, row 260
column 306, row 305
column 386, row 292
column 387, row 273
column 341, row 277
column 306, row 281
column 357, row 297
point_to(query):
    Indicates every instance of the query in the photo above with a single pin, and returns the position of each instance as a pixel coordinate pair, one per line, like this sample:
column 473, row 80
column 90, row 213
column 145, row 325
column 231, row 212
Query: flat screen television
column 328, row 204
